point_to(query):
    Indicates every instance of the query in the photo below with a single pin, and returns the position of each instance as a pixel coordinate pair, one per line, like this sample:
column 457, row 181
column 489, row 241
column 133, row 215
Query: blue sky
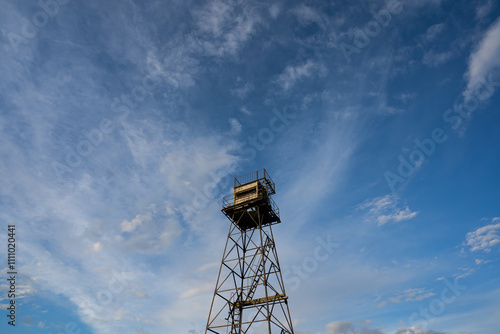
column 122, row 124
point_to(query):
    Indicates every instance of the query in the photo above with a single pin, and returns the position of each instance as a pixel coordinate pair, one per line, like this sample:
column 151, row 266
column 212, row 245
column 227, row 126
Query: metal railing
column 260, row 175
column 228, row 201
column 274, row 207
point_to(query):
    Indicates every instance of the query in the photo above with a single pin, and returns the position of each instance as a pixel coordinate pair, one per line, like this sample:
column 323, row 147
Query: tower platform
column 252, row 191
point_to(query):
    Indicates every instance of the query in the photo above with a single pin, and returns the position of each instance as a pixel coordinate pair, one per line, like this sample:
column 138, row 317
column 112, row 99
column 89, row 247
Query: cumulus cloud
column 385, row 209
column 484, row 238
column 417, row 330
column 484, row 60
column 362, row 327
column 129, row 226
column 481, row 261
column 348, row 327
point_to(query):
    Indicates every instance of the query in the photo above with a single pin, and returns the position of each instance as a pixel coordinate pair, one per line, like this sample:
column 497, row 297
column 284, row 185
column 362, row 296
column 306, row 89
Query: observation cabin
column 250, row 205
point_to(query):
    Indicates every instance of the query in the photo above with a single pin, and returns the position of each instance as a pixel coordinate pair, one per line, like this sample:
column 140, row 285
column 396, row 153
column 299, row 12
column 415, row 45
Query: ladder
column 260, row 269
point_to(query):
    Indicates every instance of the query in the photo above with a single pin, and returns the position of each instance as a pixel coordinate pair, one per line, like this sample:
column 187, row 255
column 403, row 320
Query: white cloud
column 338, row 327
column 412, row 295
column 434, row 59
column 348, row 327
column 129, row 226
column 320, row 169
column 222, row 29
column 481, row 261
column 104, row 223
column 22, row 290
column 485, row 59
column 292, row 74
column 465, row 272
column 148, row 233
column 385, row 209
column 209, row 265
column 484, row 238
column 417, row 330
column 96, row 246
column 235, row 126
column 421, row 3
column 197, row 290
column 405, row 97
column 434, row 31
column 98, row 221
column 306, row 15
column 213, row 16
column 484, row 9
column 193, row 164
column 178, row 67
column 275, row 10
column 245, row 110
column 243, row 91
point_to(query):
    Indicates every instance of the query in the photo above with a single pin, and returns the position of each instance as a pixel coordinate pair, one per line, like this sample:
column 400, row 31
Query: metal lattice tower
column 250, row 295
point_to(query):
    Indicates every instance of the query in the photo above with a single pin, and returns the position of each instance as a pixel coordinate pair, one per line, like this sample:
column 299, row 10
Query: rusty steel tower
column 249, row 294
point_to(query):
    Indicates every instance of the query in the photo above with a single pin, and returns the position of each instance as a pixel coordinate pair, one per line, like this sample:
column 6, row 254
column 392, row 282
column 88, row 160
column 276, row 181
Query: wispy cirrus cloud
column 434, row 31
column 434, row 59
column 292, row 74
column 484, row 60
column 306, row 15
column 484, row 9
column 412, row 295
column 363, row 327
column 140, row 217
column 224, row 27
